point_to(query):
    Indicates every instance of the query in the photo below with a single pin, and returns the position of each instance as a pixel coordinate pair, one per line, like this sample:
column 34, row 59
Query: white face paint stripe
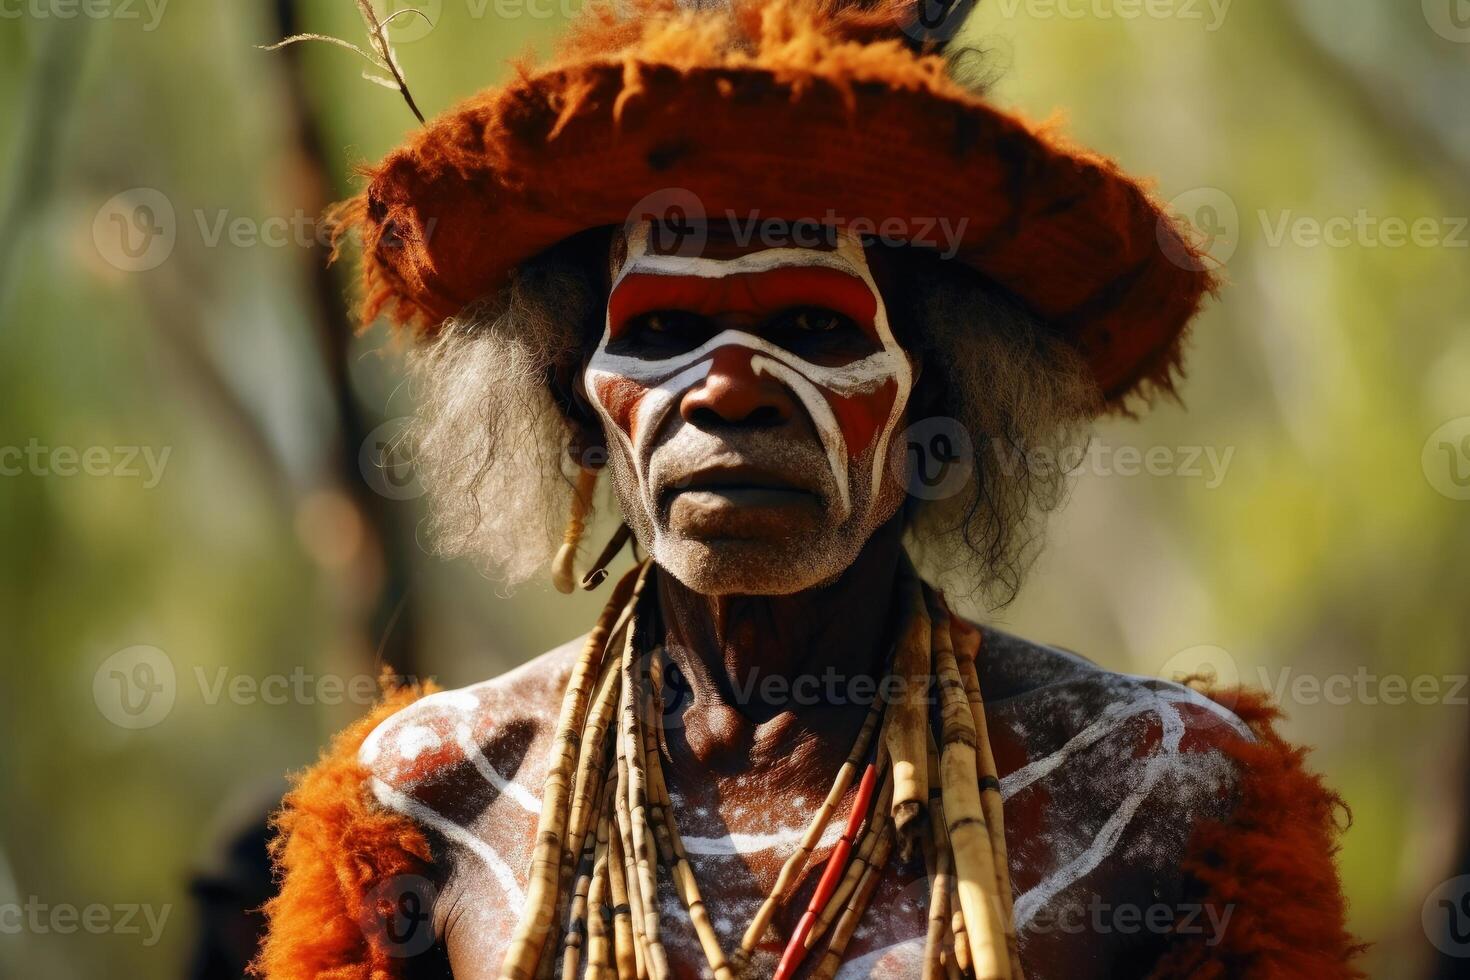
column 656, row 403
column 822, row 418
column 858, row 377
column 848, row 257
column 801, row 376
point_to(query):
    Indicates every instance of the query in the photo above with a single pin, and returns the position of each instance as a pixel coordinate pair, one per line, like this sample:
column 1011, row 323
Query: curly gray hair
column 491, row 434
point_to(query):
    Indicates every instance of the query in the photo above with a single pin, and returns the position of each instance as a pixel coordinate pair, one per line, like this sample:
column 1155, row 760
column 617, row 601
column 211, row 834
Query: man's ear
column 587, row 443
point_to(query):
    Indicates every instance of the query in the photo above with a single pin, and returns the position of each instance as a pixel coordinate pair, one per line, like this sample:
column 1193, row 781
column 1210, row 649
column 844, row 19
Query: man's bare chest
column 1100, row 793
column 736, row 846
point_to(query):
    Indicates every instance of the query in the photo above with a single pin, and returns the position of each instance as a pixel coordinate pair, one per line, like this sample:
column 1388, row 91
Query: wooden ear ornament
column 562, row 566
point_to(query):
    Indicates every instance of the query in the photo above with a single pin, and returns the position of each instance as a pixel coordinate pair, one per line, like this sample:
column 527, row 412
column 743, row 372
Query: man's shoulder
column 486, row 734
column 1065, row 726
column 1078, row 695
column 1112, row 771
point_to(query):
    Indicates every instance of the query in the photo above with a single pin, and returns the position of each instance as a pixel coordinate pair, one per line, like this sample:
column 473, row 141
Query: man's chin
column 759, row 565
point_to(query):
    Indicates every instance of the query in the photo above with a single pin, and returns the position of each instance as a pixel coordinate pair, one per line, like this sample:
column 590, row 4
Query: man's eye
column 662, row 331
column 663, row 322
column 817, row 321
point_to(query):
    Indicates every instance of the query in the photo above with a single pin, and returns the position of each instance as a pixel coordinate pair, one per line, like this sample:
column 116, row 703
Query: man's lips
column 749, row 486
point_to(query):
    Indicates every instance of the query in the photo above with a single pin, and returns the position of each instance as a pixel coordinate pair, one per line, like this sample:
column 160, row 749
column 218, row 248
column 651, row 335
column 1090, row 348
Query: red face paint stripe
column 621, row 397
column 754, row 294
column 862, row 417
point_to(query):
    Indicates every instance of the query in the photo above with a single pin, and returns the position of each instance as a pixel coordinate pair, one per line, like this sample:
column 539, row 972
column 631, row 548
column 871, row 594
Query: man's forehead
column 728, row 240
column 717, row 249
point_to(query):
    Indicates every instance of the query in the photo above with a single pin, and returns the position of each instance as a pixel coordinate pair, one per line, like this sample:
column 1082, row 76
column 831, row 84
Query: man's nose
column 734, row 394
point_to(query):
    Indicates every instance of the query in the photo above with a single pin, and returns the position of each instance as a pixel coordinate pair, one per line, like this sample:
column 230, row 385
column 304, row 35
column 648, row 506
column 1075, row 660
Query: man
column 771, row 267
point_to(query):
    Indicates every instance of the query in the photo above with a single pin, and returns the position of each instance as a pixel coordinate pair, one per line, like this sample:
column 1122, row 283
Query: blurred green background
column 1304, row 523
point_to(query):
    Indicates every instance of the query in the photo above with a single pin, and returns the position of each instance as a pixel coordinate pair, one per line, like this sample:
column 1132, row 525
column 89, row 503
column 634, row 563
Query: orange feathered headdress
column 820, row 110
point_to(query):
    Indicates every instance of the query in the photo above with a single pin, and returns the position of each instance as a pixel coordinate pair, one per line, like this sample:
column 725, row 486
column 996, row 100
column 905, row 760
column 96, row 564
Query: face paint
column 854, row 403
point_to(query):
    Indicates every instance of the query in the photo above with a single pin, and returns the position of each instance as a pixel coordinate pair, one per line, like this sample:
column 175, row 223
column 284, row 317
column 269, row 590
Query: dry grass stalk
column 958, row 931
column 381, row 56
column 967, row 650
column 530, row 938
column 599, row 914
column 625, row 943
column 591, row 763
column 969, row 836
column 940, row 864
column 952, row 947
column 671, row 845
column 631, row 881
column 908, row 717
column 589, row 797
column 639, row 833
column 576, row 933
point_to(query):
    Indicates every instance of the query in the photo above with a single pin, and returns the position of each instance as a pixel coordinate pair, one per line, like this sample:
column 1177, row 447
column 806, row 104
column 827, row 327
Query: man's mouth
column 741, row 486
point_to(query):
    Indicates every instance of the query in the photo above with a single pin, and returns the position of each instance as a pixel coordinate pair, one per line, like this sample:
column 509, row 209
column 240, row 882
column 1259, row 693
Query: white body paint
column 735, row 845
column 902, row 959
column 398, row 802
column 495, row 848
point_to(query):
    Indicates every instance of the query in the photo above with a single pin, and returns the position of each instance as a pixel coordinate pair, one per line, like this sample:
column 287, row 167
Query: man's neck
column 785, row 679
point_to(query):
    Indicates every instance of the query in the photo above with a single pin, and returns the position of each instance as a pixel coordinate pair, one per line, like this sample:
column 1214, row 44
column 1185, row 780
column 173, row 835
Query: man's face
column 750, row 402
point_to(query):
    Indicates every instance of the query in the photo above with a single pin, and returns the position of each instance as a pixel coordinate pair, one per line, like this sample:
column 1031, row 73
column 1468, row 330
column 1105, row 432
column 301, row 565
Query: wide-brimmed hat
column 804, row 110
